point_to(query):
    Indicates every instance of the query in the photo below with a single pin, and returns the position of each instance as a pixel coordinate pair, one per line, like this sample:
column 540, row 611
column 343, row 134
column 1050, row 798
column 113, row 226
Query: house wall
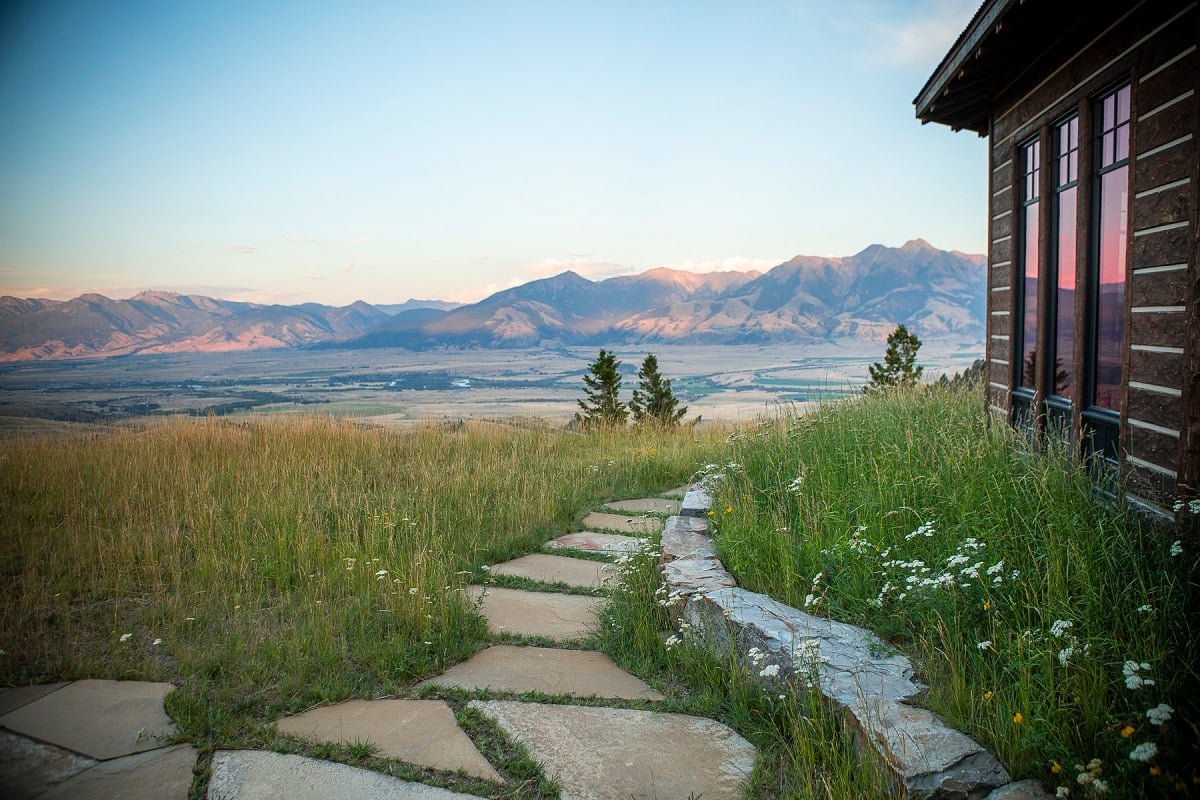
column 1156, row 46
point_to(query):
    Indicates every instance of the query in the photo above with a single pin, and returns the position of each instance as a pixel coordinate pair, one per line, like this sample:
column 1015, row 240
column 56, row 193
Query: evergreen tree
column 653, row 402
column 899, row 367
column 601, row 405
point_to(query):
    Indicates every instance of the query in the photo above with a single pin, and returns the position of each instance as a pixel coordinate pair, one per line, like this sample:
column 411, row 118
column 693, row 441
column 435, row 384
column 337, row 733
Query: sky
column 289, row 152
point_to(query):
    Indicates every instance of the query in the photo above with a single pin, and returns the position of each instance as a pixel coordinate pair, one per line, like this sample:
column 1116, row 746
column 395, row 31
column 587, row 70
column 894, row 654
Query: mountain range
column 937, row 294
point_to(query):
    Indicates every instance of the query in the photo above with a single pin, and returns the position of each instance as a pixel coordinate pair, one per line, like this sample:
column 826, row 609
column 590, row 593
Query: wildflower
column 413, row 590
column 711, row 512
column 672, row 640
column 769, row 671
column 728, row 509
column 987, row 695
column 987, row 605
column 1099, row 786
column 1060, row 627
column 1056, row 767
column 1176, row 548
column 1160, row 714
column 486, row 568
column 1064, row 655
column 1127, row 731
column 1132, row 679
column 1146, row 609
column 125, row 637
column 156, row 643
column 1018, row 718
column 1144, row 752
column 987, row 645
column 381, row 574
column 1155, row 771
column 1062, row 791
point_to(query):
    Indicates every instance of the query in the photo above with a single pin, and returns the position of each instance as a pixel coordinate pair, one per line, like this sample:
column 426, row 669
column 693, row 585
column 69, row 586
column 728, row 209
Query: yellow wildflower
column 1018, row 718
column 1127, row 731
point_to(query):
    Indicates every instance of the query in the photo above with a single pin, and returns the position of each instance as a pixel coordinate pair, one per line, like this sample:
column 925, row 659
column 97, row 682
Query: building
column 1092, row 114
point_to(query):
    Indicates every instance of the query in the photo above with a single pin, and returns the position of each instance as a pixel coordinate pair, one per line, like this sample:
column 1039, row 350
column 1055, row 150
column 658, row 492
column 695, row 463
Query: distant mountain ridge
column 936, row 293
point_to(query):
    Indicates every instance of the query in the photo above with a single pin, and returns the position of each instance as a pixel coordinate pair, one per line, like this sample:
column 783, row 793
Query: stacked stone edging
column 870, row 683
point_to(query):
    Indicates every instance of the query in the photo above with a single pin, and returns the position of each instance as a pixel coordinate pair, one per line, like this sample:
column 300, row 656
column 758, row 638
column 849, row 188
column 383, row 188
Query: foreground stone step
column 164, row 774
column 98, row 718
column 619, row 754
column 592, row 542
column 558, row 569
column 28, row 768
column 422, row 732
column 581, row 673
column 556, row 616
column 621, row 523
column 645, row 505
column 246, row 774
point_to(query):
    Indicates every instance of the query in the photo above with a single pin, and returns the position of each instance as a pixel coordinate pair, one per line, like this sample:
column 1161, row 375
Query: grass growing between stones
column 804, row 750
column 1057, row 630
column 268, row 565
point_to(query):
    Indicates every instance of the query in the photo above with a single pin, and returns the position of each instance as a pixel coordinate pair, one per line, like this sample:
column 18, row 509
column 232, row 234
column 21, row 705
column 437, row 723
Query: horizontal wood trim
column 1002, row 225
column 1160, row 269
column 1152, row 69
column 1190, row 94
column 1164, row 207
column 1167, row 125
column 1153, row 427
column 1166, row 166
column 1155, row 407
column 1168, row 246
column 1158, row 289
column 1153, row 447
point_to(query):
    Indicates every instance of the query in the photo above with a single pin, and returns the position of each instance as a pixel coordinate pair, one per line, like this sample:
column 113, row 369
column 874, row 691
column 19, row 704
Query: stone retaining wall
column 869, row 682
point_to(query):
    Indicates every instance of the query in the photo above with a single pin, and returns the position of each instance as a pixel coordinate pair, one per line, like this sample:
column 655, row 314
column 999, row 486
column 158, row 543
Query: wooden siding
column 1156, row 47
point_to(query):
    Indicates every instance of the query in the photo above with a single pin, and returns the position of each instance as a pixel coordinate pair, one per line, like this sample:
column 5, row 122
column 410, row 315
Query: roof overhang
column 1002, row 42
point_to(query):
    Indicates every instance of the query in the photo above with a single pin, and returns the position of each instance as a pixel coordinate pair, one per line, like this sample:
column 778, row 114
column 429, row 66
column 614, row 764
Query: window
column 1106, row 270
column 1026, row 308
column 1063, row 235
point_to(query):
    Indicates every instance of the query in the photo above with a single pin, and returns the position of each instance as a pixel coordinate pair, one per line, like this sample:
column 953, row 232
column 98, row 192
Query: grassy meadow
column 267, row 565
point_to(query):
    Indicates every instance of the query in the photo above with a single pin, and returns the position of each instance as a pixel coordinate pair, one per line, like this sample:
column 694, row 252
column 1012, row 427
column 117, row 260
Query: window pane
column 1110, row 299
column 1064, row 322
column 1030, row 289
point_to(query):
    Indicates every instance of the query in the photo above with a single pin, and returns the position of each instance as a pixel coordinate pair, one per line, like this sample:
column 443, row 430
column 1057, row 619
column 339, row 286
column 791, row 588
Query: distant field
column 396, row 387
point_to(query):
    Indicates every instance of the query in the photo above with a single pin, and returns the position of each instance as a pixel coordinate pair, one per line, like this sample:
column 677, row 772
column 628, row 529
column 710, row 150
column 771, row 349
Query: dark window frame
column 1029, row 195
column 1058, row 407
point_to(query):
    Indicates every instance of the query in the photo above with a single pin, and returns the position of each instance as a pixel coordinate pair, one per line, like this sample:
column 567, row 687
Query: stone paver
column 164, row 774
column 557, row 616
column 558, row 569
column 645, row 505
column 621, row 523
column 12, row 699
column 29, row 768
column 238, row 774
column 593, row 542
column 422, row 732
column 696, row 502
column 98, row 718
column 581, row 673
column 619, row 754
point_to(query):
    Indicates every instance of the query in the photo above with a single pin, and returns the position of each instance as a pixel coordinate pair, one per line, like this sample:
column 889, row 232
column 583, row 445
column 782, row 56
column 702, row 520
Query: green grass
column 267, row 565
column 909, row 491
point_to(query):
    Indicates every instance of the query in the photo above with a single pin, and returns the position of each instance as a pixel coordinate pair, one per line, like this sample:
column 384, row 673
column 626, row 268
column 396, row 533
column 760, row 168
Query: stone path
column 96, row 738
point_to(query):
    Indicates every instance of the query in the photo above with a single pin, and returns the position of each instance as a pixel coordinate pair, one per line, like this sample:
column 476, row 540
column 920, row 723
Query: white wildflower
column 672, row 640
column 413, row 590
column 381, row 574
column 125, row 637
column 1060, row 627
column 1146, row 751
column 769, row 671
column 1176, row 548
column 985, row 645
column 1062, row 791
column 1160, row 714
column 1133, row 680
column 1146, row 609
column 996, row 568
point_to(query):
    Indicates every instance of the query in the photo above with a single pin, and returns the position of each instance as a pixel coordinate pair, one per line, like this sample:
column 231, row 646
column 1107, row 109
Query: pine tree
column 602, row 407
column 899, row 367
column 653, row 402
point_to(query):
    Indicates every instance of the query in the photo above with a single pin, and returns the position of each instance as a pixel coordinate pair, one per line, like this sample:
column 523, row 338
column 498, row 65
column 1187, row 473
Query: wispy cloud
column 242, row 249
column 922, row 37
column 595, row 270
column 346, row 268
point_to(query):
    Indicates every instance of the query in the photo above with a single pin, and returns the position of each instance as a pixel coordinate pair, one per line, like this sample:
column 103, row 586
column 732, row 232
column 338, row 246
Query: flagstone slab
column 594, row 542
column 624, row 754
column 12, row 699
column 29, row 768
column 557, row 616
column 686, row 537
column 645, row 505
column 558, row 569
column 581, row 673
column 163, row 774
column 621, row 523
column 697, row 502
column 245, row 774
column 422, row 732
column 98, row 718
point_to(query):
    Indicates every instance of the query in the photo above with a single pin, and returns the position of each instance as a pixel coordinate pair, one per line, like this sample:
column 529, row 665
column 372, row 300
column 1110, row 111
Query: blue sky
column 287, row 152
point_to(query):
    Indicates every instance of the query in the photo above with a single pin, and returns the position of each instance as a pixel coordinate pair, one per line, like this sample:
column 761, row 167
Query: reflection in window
column 1028, row 253
column 1113, row 206
column 1066, row 178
